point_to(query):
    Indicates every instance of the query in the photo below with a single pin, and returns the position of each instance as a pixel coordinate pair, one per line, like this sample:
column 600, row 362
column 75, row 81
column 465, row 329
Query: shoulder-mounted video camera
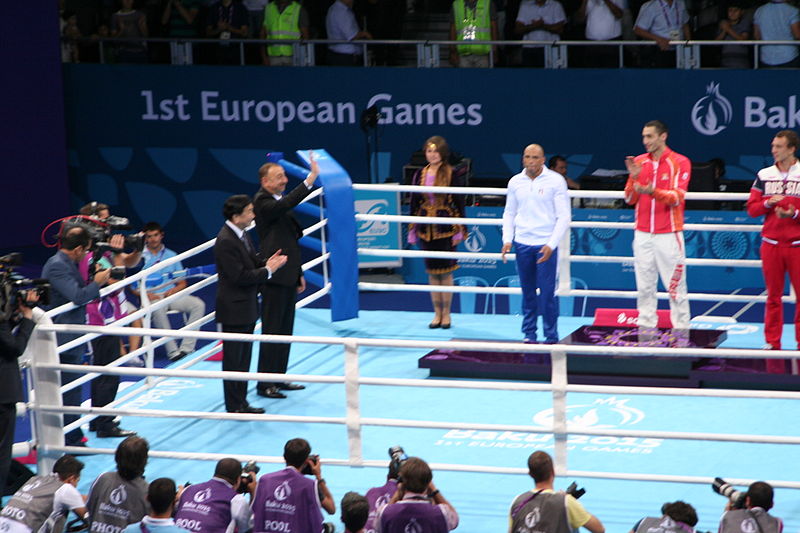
column 13, row 287
column 101, row 230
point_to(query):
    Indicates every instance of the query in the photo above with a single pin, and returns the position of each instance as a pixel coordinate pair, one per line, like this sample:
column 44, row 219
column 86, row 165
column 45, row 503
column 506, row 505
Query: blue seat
column 469, row 301
column 514, row 300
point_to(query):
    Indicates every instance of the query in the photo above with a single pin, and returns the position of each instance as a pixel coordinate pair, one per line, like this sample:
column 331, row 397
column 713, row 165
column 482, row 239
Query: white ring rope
column 488, row 346
column 352, row 381
column 573, row 224
column 722, row 197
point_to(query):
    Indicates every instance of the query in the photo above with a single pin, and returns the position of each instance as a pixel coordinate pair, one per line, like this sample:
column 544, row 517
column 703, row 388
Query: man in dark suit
column 240, row 274
column 278, row 230
column 67, row 285
column 12, row 346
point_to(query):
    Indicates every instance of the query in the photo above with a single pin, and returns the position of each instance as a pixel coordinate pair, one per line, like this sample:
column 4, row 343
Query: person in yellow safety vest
column 283, row 19
column 472, row 20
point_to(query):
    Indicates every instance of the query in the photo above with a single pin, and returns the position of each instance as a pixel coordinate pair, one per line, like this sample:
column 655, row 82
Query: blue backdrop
column 168, row 143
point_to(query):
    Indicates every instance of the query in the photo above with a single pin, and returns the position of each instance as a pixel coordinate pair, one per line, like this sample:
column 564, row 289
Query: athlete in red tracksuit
column 657, row 185
column 776, row 195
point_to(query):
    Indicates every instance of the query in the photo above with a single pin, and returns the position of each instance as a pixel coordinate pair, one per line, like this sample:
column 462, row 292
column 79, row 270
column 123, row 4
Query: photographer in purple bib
column 677, row 517
column 747, row 511
column 219, row 504
column 417, row 503
column 544, row 509
column 380, row 496
column 288, row 500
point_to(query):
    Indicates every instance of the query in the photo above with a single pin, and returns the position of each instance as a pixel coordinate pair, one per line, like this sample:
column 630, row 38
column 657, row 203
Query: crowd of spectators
column 292, row 499
column 655, row 22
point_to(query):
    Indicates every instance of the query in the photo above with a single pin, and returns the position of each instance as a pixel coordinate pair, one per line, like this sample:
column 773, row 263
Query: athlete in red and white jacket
column 776, row 196
column 657, row 184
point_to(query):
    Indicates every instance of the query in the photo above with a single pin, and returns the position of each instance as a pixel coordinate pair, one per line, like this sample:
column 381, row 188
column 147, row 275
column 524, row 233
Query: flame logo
column 412, row 527
column 118, row 495
column 602, row 413
column 532, row 518
column 31, row 486
column 283, row 491
column 373, row 207
column 476, row 240
column 712, row 113
column 203, row 495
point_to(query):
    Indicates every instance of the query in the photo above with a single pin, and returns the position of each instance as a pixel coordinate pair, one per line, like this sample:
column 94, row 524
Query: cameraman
column 416, row 500
column 223, row 503
column 380, row 496
column 754, row 517
column 543, row 509
column 67, row 285
column 12, row 346
column 107, row 348
column 286, row 500
column 678, row 517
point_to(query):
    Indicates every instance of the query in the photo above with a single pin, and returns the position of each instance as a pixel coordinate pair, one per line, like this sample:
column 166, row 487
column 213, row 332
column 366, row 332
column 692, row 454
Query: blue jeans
column 534, row 275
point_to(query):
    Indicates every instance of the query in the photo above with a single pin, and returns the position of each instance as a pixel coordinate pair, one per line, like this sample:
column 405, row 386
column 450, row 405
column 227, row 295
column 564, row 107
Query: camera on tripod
column 723, row 488
column 13, row 286
column 249, row 472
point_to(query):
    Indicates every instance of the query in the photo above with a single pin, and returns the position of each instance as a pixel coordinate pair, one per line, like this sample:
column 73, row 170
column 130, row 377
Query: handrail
column 429, row 50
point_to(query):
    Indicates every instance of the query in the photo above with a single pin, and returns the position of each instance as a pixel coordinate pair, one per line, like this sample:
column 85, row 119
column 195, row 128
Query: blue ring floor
column 482, row 500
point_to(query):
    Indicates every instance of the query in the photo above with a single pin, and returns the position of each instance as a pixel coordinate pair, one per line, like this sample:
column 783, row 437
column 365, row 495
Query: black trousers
column 236, row 358
column 106, row 349
column 8, row 420
column 277, row 318
column 75, row 396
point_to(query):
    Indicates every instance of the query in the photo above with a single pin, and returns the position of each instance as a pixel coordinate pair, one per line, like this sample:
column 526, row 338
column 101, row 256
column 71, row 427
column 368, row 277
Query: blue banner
column 173, row 142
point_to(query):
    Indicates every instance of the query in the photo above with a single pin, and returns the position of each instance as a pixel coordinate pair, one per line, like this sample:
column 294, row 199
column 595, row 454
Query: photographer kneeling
column 417, row 500
column 218, row 504
column 754, row 516
column 678, row 517
column 543, row 509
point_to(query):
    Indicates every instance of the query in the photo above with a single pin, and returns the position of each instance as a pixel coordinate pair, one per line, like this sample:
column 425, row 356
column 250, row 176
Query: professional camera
column 574, row 491
column 101, row 231
column 398, row 457
column 723, row 488
column 13, row 285
column 306, row 470
column 249, row 472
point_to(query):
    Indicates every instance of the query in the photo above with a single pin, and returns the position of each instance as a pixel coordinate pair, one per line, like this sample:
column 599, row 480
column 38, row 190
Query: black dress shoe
column 271, row 392
column 249, row 410
column 114, row 432
column 290, row 386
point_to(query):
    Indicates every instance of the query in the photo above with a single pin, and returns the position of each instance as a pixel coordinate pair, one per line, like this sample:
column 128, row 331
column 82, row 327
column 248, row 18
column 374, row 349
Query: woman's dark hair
column 445, row 172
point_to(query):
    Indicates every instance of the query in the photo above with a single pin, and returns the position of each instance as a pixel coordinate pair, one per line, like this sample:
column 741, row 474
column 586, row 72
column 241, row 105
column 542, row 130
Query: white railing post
column 147, row 340
column 353, row 410
column 47, row 391
column 558, row 362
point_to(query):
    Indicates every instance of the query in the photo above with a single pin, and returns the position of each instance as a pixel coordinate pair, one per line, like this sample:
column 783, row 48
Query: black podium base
column 636, row 370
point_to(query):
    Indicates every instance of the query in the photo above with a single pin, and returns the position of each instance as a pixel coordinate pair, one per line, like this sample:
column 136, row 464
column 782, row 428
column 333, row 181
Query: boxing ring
column 633, row 448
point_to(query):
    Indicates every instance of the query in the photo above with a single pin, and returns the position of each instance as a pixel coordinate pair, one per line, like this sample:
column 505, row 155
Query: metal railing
column 429, row 52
